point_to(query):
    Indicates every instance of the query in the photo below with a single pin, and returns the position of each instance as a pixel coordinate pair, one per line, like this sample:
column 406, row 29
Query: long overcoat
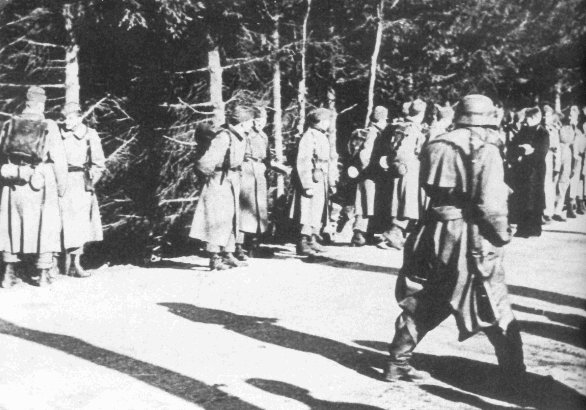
column 80, row 210
column 455, row 259
column 529, row 170
column 253, row 188
column 30, row 220
column 217, row 215
column 578, row 169
column 312, row 170
column 407, row 197
column 370, row 173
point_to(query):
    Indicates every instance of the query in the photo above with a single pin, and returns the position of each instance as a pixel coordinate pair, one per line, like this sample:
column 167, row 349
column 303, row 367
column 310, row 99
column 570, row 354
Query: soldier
column 576, row 203
column 443, row 124
column 217, row 216
column 403, row 165
column 368, row 176
column 527, row 158
column 567, row 135
column 312, row 181
column 253, row 188
column 446, row 270
column 80, row 212
column 34, row 176
column 552, row 162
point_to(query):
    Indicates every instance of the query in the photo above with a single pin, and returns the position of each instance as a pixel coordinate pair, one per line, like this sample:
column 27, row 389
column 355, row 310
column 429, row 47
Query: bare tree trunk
column 72, row 87
column 277, row 106
column 374, row 60
column 301, row 96
column 558, row 97
column 216, row 83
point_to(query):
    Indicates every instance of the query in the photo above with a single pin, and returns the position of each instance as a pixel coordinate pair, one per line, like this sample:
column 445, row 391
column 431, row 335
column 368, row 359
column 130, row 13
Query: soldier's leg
column 303, row 247
column 9, row 278
column 410, row 328
column 395, row 236
column 508, row 347
column 216, row 262
column 360, row 227
column 76, row 269
column 44, row 264
column 228, row 252
column 562, row 189
column 239, row 252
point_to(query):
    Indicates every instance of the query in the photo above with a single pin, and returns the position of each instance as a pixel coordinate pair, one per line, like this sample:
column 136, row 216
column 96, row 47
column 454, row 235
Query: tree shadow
column 456, row 396
column 266, row 330
column 169, row 264
column 304, row 396
column 547, row 296
column 564, row 334
column 339, row 263
column 186, row 388
column 483, row 379
column 558, row 231
column 569, row 319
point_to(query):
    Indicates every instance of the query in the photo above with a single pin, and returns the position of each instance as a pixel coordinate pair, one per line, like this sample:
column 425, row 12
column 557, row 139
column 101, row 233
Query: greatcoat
column 312, row 171
column 552, row 168
column 578, row 169
column 370, row 173
column 217, row 215
column 79, row 207
column 253, row 189
column 455, row 258
column 30, row 220
column 407, row 198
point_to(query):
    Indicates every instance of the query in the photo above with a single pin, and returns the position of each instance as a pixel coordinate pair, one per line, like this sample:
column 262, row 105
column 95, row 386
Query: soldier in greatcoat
column 312, row 180
column 33, row 177
column 453, row 263
column 552, row 162
column 217, row 215
column 253, row 185
column 80, row 212
column 576, row 203
column 369, row 177
column 527, row 159
column 407, row 198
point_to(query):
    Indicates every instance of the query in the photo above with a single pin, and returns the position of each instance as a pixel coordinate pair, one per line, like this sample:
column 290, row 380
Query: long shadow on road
column 303, row 396
column 186, row 388
column 476, row 377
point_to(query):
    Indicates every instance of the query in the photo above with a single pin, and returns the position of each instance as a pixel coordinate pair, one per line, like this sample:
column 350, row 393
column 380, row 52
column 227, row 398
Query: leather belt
column 253, row 159
column 235, row 169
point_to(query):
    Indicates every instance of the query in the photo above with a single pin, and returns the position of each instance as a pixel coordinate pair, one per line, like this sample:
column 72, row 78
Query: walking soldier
column 217, row 216
column 567, row 135
column 34, row 176
column 577, row 178
column 453, row 263
column 552, row 162
column 312, row 181
column 80, row 211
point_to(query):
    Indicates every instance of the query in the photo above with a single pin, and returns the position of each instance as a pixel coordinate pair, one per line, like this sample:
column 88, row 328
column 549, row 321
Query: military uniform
column 578, row 170
column 80, row 209
column 567, row 136
column 453, row 263
column 217, row 215
column 30, row 219
column 552, row 169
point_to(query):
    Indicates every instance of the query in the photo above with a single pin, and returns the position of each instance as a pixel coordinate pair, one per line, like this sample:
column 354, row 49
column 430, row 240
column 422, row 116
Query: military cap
column 36, row 94
column 379, row 113
column 532, row 112
column 475, row 109
column 317, row 115
column 444, row 112
column 239, row 113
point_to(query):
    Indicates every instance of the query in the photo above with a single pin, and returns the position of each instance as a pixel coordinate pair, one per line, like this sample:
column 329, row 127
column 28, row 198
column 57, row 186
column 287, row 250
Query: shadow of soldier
column 484, row 379
column 363, row 361
column 304, row 396
column 186, row 388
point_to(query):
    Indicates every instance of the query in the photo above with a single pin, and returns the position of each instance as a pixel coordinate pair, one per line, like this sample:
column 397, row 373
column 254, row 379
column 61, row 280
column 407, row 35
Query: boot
column 303, row 247
column 315, row 246
column 10, row 279
column 216, row 262
column 43, row 279
column 358, row 239
column 570, row 213
column 394, row 237
column 76, row 270
column 559, row 218
column 229, row 259
column 404, row 372
column 580, row 208
column 240, row 254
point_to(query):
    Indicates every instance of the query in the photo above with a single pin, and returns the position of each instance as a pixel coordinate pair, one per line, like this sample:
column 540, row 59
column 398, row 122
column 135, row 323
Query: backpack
column 24, row 140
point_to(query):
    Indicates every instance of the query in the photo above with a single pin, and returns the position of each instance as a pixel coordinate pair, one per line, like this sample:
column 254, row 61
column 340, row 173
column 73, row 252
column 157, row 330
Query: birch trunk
column 72, row 87
column 301, row 96
column 374, row 60
column 216, row 84
column 277, row 107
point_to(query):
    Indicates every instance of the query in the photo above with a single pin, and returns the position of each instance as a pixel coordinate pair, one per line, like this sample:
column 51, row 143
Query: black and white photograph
column 292, row 204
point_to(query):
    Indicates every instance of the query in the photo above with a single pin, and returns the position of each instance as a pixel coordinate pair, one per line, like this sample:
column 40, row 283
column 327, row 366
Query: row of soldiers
column 48, row 207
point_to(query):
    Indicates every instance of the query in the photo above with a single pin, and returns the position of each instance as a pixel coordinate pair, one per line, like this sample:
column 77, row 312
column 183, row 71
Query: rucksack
column 24, row 139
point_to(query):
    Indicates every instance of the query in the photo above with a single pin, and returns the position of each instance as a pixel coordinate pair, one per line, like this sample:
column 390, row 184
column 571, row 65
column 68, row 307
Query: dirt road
column 282, row 333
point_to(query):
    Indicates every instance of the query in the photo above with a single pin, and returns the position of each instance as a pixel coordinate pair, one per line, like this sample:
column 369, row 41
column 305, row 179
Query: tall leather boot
column 508, row 348
column 394, row 237
column 76, row 269
column 570, row 212
column 358, row 238
column 9, row 279
column 580, row 207
column 229, row 259
column 303, row 247
column 401, row 351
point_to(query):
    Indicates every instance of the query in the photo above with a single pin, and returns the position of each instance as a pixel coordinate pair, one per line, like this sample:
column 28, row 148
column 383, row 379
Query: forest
column 153, row 77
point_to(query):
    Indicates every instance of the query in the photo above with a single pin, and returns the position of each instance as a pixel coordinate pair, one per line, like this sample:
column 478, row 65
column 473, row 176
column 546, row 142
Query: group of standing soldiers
column 48, row 207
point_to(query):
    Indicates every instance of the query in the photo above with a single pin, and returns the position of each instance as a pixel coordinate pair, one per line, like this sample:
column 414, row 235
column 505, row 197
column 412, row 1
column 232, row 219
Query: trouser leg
column 231, row 245
column 76, row 251
column 508, row 348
